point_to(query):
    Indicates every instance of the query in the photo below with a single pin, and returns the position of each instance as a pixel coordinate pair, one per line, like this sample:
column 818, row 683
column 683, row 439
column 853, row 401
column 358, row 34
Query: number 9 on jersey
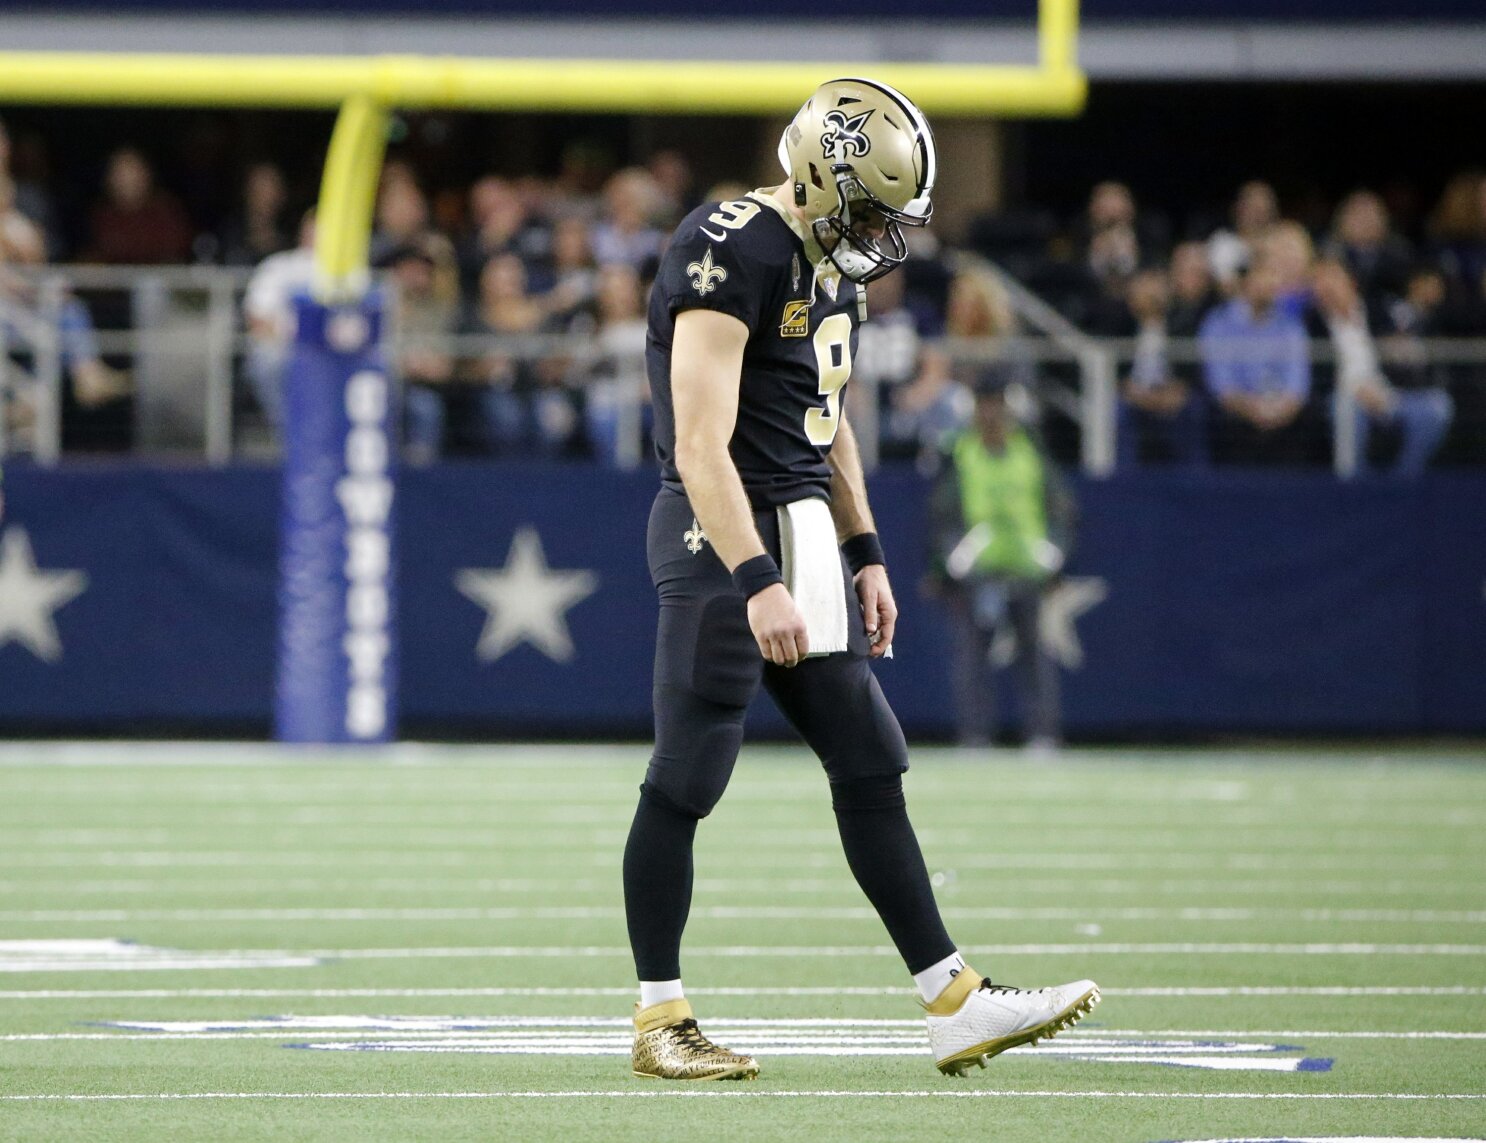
column 833, row 364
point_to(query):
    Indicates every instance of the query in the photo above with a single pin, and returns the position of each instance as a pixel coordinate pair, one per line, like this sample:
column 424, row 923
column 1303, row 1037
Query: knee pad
column 873, row 793
column 657, row 798
column 696, row 744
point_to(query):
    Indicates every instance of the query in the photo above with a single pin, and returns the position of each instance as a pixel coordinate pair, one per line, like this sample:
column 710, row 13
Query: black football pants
column 707, row 670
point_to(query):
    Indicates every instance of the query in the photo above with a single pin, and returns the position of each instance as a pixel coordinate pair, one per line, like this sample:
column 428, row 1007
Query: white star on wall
column 525, row 601
column 1061, row 607
column 29, row 596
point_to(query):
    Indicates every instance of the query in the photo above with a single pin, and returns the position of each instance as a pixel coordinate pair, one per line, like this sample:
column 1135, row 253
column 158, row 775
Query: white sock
column 653, row 992
column 935, row 979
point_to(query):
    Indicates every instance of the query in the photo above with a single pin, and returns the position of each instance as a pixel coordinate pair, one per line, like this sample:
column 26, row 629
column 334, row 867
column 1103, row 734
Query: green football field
column 233, row 942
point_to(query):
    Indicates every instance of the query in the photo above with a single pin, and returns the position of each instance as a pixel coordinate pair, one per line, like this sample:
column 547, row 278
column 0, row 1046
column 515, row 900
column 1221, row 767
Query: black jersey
column 745, row 259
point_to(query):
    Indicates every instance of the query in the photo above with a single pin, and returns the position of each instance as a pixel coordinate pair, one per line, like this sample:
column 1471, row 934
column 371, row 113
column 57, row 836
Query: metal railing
column 180, row 335
column 31, row 399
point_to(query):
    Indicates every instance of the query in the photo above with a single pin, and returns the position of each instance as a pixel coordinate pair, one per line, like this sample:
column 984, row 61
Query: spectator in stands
column 616, row 396
column 1255, row 210
column 938, row 401
column 626, row 232
column 673, row 183
column 1361, row 240
column 583, row 169
column 1113, row 257
column 1160, row 408
column 31, row 197
column 262, row 227
column 1257, row 367
column 1431, row 308
column 573, row 273
column 136, row 223
column 523, row 404
column 1111, row 251
column 1289, row 245
column 1365, row 398
column 499, row 224
column 1458, row 231
column 21, row 240
column 268, row 306
column 1112, row 207
column 1192, row 292
column 423, row 318
column 1002, row 522
column 95, row 392
column 402, row 222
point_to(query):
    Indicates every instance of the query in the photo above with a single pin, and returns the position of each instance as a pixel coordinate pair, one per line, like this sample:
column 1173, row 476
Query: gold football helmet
column 856, row 153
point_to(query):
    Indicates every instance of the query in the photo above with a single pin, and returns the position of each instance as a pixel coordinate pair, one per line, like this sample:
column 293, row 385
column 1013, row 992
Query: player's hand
column 879, row 609
column 778, row 626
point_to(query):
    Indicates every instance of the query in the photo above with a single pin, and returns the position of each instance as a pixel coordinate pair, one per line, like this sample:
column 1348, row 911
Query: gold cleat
column 669, row 1045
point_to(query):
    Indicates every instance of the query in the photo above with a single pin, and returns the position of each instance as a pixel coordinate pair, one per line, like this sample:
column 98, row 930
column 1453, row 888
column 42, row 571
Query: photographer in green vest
column 1002, row 526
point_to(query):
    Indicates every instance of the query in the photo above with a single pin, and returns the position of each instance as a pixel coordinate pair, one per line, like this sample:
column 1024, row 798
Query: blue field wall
column 140, row 597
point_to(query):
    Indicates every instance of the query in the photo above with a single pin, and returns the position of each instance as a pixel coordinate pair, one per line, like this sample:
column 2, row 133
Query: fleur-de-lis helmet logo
column 705, row 276
column 844, row 136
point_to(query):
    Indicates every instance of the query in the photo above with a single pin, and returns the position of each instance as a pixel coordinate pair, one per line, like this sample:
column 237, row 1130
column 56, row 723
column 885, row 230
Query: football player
column 763, row 551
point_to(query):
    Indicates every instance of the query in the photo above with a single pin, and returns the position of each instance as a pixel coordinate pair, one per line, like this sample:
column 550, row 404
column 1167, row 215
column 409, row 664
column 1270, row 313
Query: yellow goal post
column 366, row 89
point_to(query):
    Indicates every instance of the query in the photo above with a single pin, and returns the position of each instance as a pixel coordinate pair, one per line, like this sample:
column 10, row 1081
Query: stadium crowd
column 1249, row 299
column 1215, row 323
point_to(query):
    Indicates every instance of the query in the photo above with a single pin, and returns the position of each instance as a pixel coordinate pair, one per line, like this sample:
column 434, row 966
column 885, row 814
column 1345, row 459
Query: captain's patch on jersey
column 705, row 276
column 796, row 320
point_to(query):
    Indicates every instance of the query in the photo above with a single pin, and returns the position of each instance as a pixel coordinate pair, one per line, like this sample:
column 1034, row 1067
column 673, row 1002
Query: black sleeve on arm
column 698, row 273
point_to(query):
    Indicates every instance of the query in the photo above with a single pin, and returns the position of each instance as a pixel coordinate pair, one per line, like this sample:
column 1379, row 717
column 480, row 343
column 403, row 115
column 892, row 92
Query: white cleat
column 973, row 1019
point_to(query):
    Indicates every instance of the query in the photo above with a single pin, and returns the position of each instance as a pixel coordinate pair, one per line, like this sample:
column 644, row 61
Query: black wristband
column 863, row 551
column 752, row 576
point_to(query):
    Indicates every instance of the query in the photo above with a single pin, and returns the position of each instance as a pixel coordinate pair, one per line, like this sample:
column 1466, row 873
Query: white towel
column 812, row 572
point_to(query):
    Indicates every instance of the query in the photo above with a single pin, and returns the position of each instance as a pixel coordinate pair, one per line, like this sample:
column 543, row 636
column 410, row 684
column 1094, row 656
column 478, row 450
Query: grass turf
column 1265, row 903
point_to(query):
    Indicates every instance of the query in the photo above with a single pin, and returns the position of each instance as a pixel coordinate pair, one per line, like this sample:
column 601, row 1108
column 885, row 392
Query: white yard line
column 478, row 857
column 110, row 955
column 1241, row 991
column 773, row 886
column 1357, row 844
column 534, row 806
column 834, row 951
column 373, row 760
column 745, row 1093
column 1312, row 1035
column 209, row 754
column 747, row 913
